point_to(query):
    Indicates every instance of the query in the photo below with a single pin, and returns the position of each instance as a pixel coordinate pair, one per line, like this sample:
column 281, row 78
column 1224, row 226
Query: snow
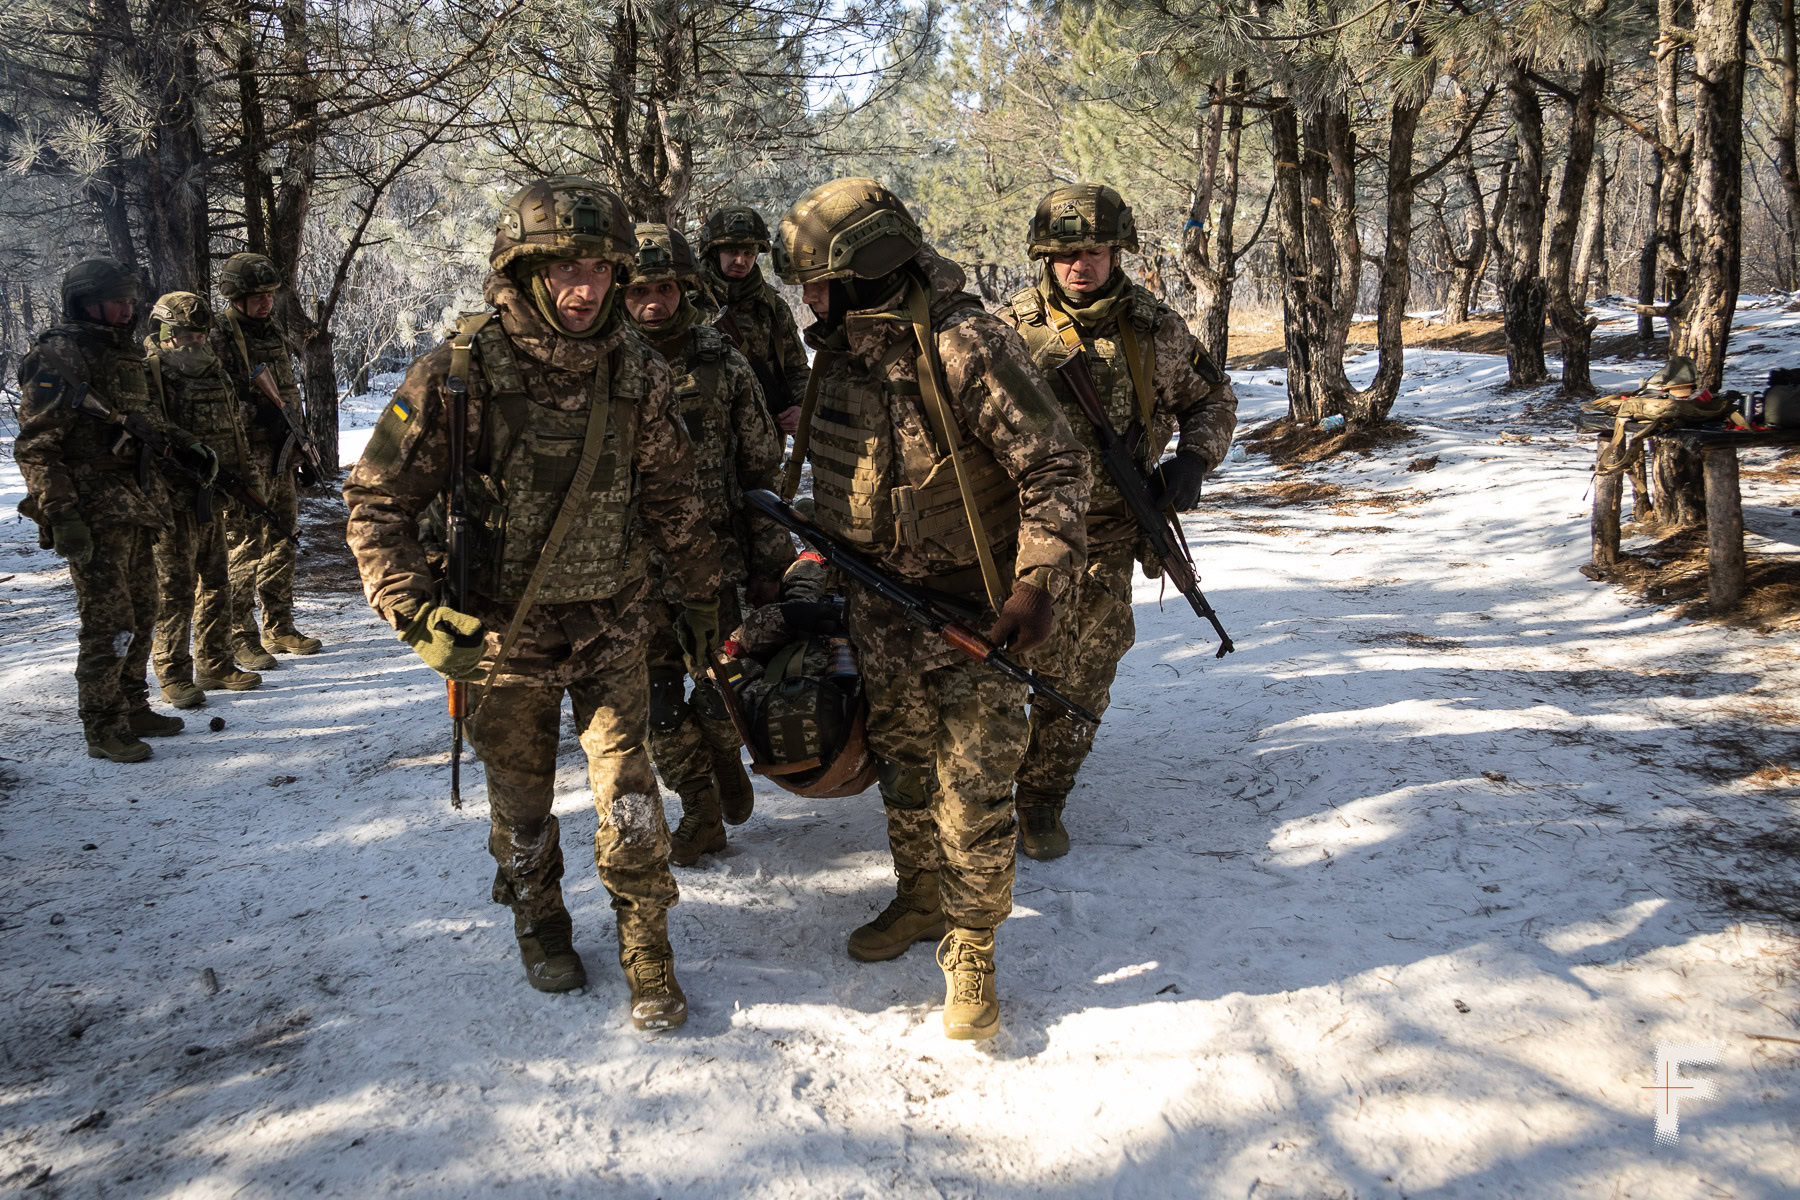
column 1395, row 901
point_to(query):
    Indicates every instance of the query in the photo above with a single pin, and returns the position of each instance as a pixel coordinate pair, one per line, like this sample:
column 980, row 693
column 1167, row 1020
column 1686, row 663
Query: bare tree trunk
column 1674, row 153
column 1371, row 405
column 1300, row 324
column 1472, row 262
column 1573, row 329
column 1715, row 250
column 1592, row 252
column 1784, row 137
column 1525, row 296
column 1208, row 256
column 1646, row 288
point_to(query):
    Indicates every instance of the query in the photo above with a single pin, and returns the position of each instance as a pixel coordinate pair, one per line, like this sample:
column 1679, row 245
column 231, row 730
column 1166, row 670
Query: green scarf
column 1092, row 313
column 670, row 332
column 540, row 296
column 733, row 291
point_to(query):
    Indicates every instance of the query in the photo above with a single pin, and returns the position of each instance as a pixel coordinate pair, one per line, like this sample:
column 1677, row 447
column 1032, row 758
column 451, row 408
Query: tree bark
column 1471, row 263
column 1208, row 254
column 1525, row 296
column 1371, row 405
column 1785, row 161
column 1592, row 244
column 1674, row 153
column 1572, row 327
column 1714, row 246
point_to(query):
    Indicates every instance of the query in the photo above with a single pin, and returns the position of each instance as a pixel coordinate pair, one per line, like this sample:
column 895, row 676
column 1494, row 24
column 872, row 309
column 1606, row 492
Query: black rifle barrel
column 920, row 605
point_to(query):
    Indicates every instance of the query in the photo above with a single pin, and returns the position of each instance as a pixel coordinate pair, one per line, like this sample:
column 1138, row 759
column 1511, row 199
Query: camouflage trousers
column 950, row 734
column 516, row 731
column 1094, row 629
column 686, row 731
column 193, row 589
column 262, row 561
column 115, row 594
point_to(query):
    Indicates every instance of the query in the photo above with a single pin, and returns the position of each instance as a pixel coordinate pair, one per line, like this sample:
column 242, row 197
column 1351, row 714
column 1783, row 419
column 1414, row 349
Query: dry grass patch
column 1290, row 444
column 1673, row 572
column 1774, row 775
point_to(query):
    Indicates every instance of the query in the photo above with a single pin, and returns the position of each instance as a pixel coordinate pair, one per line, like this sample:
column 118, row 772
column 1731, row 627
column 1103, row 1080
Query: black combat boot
column 547, row 948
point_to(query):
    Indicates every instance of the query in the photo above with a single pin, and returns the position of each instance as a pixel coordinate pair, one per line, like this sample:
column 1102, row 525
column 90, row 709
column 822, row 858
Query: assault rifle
column 155, row 446
column 1160, row 529
column 936, row 612
column 264, row 382
column 456, row 566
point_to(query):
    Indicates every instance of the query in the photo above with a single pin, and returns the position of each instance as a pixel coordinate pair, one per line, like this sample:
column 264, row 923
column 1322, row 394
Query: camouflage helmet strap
column 931, row 388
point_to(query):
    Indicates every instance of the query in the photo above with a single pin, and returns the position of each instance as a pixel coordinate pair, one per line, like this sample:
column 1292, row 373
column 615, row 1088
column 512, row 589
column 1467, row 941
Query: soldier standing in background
column 193, row 581
column 574, row 458
column 1151, row 375
column 920, row 399
column 90, row 484
column 752, row 313
column 693, row 742
column 246, row 336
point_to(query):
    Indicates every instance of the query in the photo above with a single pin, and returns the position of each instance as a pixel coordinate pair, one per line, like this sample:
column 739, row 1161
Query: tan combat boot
column 971, row 1006
column 118, row 747
column 232, row 679
column 914, row 915
column 657, row 1001
column 250, row 653
column 547, row 948
column 1041, row 833
column 143, row 723
column 737, row 799
column 183, row 693
column 701, row 830
column 289, row 641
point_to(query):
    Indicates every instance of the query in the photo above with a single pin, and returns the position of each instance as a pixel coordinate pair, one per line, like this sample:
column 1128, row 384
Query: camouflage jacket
column 240, row 343
column 198, row 395
column 407, row 463
column 67, row 457
column 736, row 448
column 1192, row 397
column 760, row 324
column 999, row 399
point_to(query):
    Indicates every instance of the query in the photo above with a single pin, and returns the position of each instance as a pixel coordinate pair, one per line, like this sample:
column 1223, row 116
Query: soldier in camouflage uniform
column 917, row 391
column 85, row 486
column 751, row 312
column 693, row 743
column 1149, row 372
column 193, row 581
column 576, row 465
column 245, row 335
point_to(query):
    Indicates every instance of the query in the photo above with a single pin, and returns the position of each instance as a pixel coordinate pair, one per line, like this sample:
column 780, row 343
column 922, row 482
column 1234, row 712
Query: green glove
column 450, row 642
column 697, row 630
column 207, row 461
column 73, row 541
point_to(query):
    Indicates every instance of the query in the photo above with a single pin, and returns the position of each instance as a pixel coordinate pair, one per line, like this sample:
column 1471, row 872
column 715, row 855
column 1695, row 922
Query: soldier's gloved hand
column 1025, row 619
column 697, row 629
column 450, row 642
column 72, row 540
column 1178, row 481
column 204, row 460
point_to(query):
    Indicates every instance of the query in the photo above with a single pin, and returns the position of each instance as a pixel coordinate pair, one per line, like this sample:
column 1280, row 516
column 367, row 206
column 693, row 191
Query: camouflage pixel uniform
column 262, row 562
column 950, row 731
column 530, row 394
column 762, row 328
column 193, row 580
column 71, row 471
column 1192, row 397
column 735, row 449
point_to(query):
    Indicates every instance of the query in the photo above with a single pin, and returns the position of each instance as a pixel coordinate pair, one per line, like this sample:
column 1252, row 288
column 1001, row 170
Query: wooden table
column 1718, row 448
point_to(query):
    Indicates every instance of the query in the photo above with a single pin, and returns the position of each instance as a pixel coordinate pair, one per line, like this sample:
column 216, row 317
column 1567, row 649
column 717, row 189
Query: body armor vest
column 264, row 345
column 197, row 397
column 699, row 373
column 882, row 480
column 1112, row 379
column 118, row 375
column 526, row 459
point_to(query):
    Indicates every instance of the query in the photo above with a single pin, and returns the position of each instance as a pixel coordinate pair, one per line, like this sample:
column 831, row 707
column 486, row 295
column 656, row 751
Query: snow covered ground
column 1396, row 901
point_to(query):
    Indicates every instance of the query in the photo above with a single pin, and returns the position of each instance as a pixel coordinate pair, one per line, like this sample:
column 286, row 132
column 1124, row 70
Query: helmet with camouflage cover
column 248, row 274
column 1081, row 216
column 736, row 226
column 806, row 717
column 564, row 216
column 93, row 280
column 662, row 253
column 845, row 229
column 182, row 311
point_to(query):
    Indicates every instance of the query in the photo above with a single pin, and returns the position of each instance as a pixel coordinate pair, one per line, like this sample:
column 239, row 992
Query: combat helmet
column 663, row 253
column 806, row 719
column 248, row 274
column 564, row 216
column 736, row 226
column 1081, row 216
column 845, row 229
column 182, row 311
column 93, row 280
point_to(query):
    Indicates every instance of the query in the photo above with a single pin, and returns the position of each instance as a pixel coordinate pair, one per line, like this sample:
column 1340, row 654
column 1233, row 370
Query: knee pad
column 668, row 702
column 905, row 787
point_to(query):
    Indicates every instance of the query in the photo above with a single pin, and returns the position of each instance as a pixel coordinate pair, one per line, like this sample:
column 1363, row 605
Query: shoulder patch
column 1204, row 368
column 1029, row 306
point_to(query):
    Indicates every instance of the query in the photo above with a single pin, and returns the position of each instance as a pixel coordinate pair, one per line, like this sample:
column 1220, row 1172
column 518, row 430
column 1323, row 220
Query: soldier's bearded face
column 578, row 288
column 653, row 303
column 736, row 262
column 257, row 305
column 1083, row 271
column 817, row 296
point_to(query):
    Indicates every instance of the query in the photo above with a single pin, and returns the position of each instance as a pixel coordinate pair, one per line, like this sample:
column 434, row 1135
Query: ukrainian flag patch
column 399, row 409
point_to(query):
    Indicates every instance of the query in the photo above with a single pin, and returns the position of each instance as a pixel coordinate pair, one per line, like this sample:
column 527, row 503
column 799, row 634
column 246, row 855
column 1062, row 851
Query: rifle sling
column 598, row 416
column 1135, row 366
column 790, row 479
column 918, row 310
